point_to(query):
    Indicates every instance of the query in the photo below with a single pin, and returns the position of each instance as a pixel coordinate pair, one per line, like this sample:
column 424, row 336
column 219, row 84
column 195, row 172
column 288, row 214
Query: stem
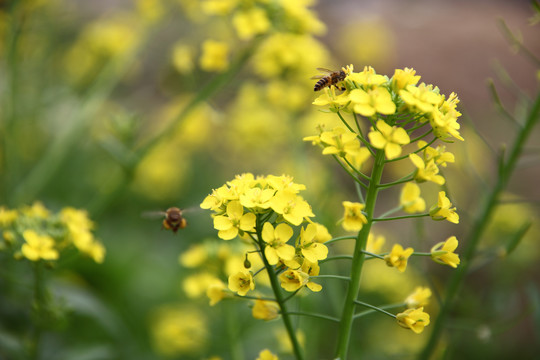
column 320, row 316
column 401, row 217
column 372, row 307
column 479, row 226
column 297, row 350
column 371, row 311
column 358, row 260
column 38, row 307
column 339, row 239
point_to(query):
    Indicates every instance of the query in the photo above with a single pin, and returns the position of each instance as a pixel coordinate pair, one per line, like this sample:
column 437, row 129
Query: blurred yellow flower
column 214, row 56
column 250, row 22
column 216, row 292
column 7, row 216
column 193, row 257
column 375, row 243
column 398, row 257
column 37, row 210
column 183, row 58
column 414, row 319
column 266, row 355
column 177, row 330
column 265, row 310
column 353, row 219
column 197, row 285
column 419, row 298
column 38, row 246
column 410, row 199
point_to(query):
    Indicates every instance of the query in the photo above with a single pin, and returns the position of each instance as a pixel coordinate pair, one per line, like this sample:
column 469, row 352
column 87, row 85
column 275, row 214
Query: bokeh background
column 125, row 107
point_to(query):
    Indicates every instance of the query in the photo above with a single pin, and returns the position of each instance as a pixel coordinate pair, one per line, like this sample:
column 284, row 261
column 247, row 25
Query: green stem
column 339, row 239
column 479, row 226
column 371, row 311
column 38, row 308
column 338, row 277
column 375, row 308
column 358, row 260
column 276, row 288
column 319, row 316
column 401, row 217
column 356, row 179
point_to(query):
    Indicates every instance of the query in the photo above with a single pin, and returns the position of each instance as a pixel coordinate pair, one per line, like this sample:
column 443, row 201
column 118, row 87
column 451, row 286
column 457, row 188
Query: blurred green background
column 111, row 106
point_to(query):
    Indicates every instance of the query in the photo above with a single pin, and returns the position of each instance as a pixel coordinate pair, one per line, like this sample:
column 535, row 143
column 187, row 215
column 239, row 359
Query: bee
column 330, row 78
column 173, row 220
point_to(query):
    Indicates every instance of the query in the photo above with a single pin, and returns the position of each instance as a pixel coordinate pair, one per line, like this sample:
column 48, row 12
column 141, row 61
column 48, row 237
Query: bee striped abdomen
column 330, row 79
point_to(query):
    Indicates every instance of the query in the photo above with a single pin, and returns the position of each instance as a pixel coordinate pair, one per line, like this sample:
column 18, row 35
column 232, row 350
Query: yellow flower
column 310, row 248
column 340, row 142
column 445, row 124
column 250, row 22
column 389, row 138
column 7, row 217
column 426, row 171
column 414, row 319
column 292, row 207
column 38, row 246
column 329, row 97
column 241, row 282
column 419, row 298
column 229, row 225
column 265, row 310
column 367, row 78
column 37, row 210
column 284, row 182
column 197, row 284
column 276, row 242
column 257, row 198
column 193, row 257
column 372, row 101
column 214, row 56
column 218, row 7
column 267, row 355
column 443, row 252
column 439, row 154
column 322, row 235
column 177, row 330
column 292, row 280
column 353, row 219
column 182, row 58
column 216, row 292
column 404, row 78
column 443, row 210
column 374, row 244
column 398, row 257
column 410, row 199
column 421, row 98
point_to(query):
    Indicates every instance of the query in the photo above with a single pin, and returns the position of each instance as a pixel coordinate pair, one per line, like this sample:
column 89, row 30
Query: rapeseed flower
column 443, row 209
column 38, row 246
column 267, row 355
column 276, row 248
column 389, row 138
column 443, row 252
column 340, row 142
column 291, row 207
column 372, row 101
column 403, row 78
column 426, row 170
column 250, row 22
column 422, row 98
column 234, row 221
column 241, row 282
column 414, row 319
column 312, row 250
column 398, row 257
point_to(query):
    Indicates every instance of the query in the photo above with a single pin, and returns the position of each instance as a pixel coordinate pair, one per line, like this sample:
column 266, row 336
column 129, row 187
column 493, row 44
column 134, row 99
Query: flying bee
column 329, row 78
column 173, row 220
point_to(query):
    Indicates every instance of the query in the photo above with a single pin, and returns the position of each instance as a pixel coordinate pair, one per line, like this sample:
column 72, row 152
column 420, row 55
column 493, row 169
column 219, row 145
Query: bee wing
column 325, row 70
column 153, row 214
column 317, row 77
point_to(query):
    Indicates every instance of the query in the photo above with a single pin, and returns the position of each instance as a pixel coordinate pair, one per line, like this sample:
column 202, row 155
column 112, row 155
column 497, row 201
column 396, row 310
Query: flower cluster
column 34, row 233
column 269, row 212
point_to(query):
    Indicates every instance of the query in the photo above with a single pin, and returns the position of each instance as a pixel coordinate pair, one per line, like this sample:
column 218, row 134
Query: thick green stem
column 479, row 227
column 38, row 308
column 347, row 316
column 276, row 288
